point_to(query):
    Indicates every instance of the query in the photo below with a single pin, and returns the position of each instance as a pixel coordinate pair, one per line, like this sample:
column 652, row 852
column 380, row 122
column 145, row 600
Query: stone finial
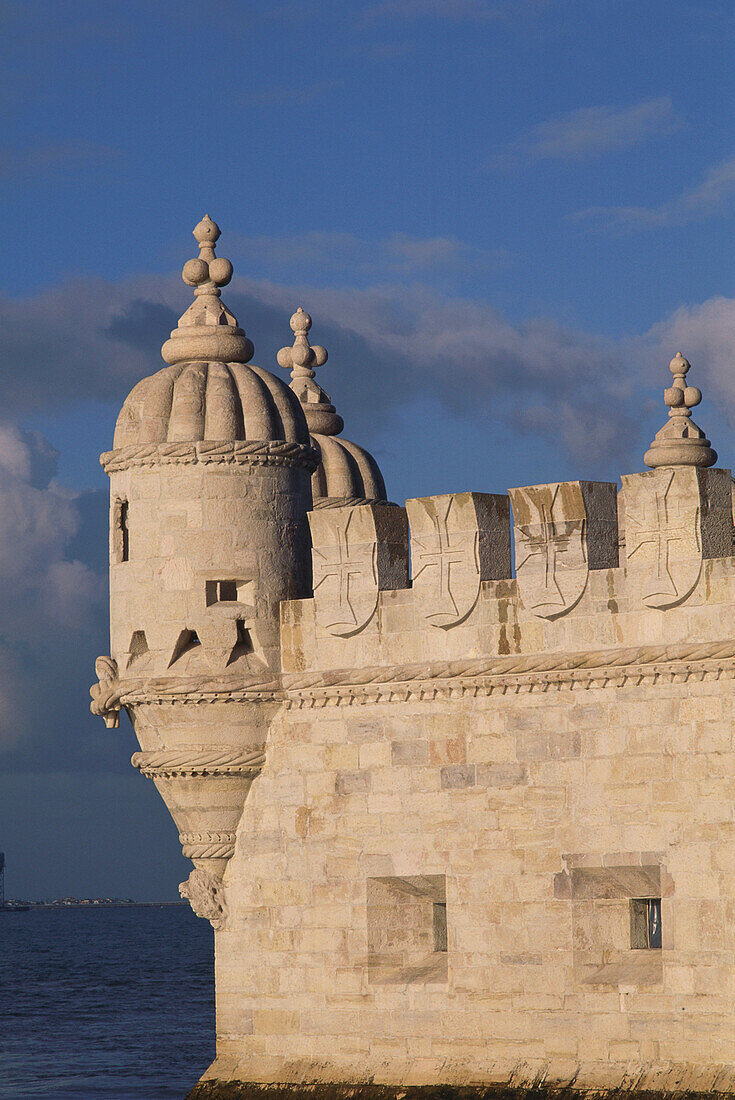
column 680, row 442
column 321, row 416
column 207, row 331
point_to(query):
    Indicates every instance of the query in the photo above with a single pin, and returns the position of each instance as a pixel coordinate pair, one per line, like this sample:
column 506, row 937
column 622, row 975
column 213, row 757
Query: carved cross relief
column 664, row 546
column 444, row 552
column 345, row 573
column 551, row 549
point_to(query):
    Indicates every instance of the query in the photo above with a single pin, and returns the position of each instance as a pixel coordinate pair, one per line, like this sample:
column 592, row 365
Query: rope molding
column 215, row 845
column 240, row 452
column 141, row 697
column 679, row 662
column 164, row 763
column 208, row 851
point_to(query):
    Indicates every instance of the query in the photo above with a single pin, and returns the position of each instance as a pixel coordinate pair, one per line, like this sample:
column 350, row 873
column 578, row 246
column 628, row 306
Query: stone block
column 562, row 531
column 457, row 541
column 675, row 518
column 458, row 776
column 357, row 552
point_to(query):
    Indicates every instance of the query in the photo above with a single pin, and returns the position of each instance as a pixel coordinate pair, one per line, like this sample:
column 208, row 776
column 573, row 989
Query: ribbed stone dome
column 347, row 472
column 191, row 402
column 209, row 391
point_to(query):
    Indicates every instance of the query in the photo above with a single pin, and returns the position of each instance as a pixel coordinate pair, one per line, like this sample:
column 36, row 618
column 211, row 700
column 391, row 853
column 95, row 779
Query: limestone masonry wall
column 548, row 772
column 457, row 779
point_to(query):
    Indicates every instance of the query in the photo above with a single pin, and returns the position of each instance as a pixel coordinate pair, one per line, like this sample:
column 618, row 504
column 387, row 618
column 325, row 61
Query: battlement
column 589, row 568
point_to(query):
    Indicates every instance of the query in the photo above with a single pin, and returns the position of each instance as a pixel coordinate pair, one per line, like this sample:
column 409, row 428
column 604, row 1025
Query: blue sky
column 505, row 216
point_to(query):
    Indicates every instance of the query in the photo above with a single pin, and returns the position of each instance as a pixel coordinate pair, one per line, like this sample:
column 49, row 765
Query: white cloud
column 46, row 598
column 705, row 334
column 345, row 256
column 589, row 132
column 705, row 199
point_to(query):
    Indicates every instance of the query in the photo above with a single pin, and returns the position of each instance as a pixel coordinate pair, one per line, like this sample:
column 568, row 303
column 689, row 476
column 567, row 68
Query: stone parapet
column 577, row 580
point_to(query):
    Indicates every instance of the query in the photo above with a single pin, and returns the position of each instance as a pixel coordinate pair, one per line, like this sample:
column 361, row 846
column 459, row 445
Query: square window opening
column 222, row 592
column 407, row 929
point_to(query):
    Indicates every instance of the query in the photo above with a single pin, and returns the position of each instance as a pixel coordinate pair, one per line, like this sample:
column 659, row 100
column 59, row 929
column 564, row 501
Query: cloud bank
column 590, row 132
column 50, row 600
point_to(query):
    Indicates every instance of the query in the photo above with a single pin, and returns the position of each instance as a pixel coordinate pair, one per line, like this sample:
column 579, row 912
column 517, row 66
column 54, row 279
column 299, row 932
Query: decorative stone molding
column 140, row 691
column 457, row 541
column 357, row 553
column 239, row 452
column 152, row 698
column 167, row 763
column 676, row 663
column 205, row 893
column 106, row 692
column 562, row 530
column 205, row 788
column 215, row 845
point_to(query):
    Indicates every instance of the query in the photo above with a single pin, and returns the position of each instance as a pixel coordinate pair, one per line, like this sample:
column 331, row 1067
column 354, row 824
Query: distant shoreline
column 20, row 906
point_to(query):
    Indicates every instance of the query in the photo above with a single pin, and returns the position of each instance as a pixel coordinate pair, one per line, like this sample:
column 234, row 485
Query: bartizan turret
column 347, row 473
column 210, row 478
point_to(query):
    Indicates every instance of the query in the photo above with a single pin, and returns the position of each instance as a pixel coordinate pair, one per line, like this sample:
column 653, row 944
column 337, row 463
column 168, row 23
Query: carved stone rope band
column 218, row 845
column 240, row 452
column 169, row 763
column 345, row 502
column 486, row 675
column 479, row 676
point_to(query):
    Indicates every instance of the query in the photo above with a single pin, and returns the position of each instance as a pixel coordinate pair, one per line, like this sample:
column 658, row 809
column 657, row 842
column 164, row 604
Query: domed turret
column 210, row 489
column 210, row 391
column 347, row 474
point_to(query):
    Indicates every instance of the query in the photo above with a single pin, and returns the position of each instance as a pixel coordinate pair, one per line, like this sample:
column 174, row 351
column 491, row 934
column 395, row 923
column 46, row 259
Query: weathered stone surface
column 457, row 541
column 675, row 518
column 357, row 552
column 561, row 532
column 429, row 854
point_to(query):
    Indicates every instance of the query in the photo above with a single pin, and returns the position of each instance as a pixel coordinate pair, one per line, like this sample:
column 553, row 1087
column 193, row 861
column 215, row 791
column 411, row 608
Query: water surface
column 104, row 1003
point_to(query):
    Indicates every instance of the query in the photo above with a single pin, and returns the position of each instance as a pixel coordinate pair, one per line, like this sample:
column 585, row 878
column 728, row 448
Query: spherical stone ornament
column 679, row 365
column 220, row 271
column 300, row 321
column 195, row 272
column 206, row 231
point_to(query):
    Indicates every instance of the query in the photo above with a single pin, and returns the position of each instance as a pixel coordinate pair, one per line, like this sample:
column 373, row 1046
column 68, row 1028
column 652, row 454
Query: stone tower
column 210, row 483
column 460, row 805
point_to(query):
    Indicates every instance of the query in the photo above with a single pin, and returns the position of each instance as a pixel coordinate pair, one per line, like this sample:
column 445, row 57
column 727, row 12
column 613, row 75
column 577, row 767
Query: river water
column 114, row 1003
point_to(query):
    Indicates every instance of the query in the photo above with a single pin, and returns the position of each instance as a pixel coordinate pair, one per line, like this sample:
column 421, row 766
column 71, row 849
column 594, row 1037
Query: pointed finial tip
column 680, row 442
column 206, row 231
